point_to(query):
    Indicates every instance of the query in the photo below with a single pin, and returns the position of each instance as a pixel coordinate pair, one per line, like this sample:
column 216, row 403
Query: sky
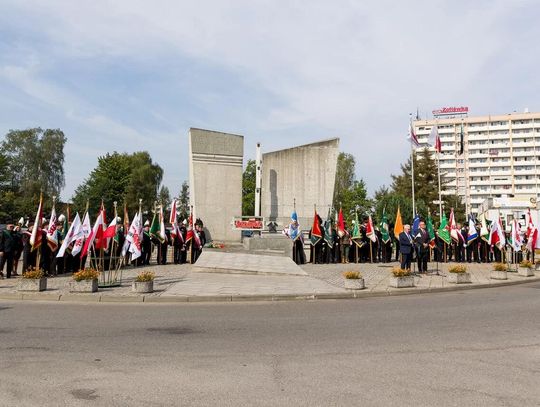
column 136, row 75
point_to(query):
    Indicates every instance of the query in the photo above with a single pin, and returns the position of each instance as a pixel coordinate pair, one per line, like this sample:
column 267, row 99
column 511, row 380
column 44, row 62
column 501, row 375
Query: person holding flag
column 294, row 232
column 315, row 239
column 386, row 242
column 472, row 241
column 421, row 241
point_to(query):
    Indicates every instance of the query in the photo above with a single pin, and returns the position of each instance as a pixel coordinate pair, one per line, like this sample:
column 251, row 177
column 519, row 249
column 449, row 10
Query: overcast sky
column 136, row 75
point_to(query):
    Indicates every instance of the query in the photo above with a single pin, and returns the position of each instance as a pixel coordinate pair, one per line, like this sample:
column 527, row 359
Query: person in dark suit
column 7, row 250
column 406, row 247
column 421, row 240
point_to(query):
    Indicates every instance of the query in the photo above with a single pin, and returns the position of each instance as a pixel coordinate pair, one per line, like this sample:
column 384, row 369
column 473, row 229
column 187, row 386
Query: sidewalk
column 181, row 283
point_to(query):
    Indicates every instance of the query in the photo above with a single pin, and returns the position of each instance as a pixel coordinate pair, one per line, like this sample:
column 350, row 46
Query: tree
column 183, row 204
column 425, row 187
column 248, row 189
column 349, row 194
column 164, row 197
column 32, row 162
column 120, row 177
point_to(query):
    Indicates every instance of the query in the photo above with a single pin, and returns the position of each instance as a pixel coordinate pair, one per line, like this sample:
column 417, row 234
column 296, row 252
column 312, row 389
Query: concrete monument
column 306, row 173
column 215, row 181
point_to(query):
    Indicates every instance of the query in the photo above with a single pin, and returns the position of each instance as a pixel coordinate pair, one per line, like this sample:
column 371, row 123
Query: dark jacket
column 421, row 238
column 405, row 245
column 8, row 244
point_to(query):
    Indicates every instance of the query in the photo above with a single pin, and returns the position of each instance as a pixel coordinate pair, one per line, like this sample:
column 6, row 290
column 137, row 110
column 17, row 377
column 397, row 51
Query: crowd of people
column 15, row 247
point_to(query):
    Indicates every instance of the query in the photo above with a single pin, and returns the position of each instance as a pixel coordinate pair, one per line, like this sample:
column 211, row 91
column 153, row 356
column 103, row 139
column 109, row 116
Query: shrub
column 145, row 276
column 86, row 274
column 33, row 273
column 526, row 264
column 352, row 275
column 399, row 272
column 458, row 268
column 500, row 267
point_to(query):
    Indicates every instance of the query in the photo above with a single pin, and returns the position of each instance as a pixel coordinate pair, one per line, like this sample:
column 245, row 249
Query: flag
column 531, row 233
column 52, row 236
column 111, row 229
column 462, row 140
column 293, row 231
column 35, row 237
column 191, row 234
column 434, row 139
column 341, row 224
column 162, row 234
column 431, row 231
column 415, row 225
column 484, row 231
column 398, row 225
column 356, row 236
column 86, row 229
column 316, row 233
column 96, row 230
column 370, row 230
column 472, row 235
column 515, row 236
column 173, row 221
column 496, row 235
column 328, row 231
column 443, row 231
column 133, row 242
column 385, row 232
column 72, row 235
column 101, row 242
column 412, row 137
column 154, row 226
column 455, row 233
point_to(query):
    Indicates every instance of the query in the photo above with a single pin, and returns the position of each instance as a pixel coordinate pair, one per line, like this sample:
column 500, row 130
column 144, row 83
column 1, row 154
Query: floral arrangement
column 500, row 267
column 399, row 272
column 33, row 273
column 217, row 245
column 526, row 264
column 459, row 268
column 145, row 276
column 352, row 275
column 86, row 274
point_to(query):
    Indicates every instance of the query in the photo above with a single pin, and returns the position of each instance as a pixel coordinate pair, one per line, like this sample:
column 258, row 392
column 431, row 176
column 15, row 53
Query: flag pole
column 412, row 170
column 314, row 246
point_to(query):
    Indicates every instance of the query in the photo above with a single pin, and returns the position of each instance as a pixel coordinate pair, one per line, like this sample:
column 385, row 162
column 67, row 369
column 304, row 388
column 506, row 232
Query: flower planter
column 525, row 272
column 401, row 282
column 459, row 278
column 143, row 286
column 354, row 284
column 83, row 286
column 32, row 284
column 498, row 275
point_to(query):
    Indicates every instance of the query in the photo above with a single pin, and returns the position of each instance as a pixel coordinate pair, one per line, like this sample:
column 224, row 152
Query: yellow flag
column 398, row 226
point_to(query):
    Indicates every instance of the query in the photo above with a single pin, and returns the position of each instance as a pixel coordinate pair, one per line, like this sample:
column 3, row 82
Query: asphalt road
column 468, row 348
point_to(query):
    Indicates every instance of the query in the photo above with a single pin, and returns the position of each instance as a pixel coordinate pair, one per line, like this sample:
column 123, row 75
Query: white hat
column 184, row 222
column 147, row 223
column 61, row 218
column 118, row 219
column 21, row 221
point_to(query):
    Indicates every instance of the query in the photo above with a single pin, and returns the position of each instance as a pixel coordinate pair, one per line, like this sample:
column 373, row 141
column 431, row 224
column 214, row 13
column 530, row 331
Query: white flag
column 82, row 235
column 71, row 236
column 133, row 241
column 52, row 236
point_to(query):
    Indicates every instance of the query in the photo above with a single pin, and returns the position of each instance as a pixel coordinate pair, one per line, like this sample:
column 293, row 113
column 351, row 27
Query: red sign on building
column 446, row 111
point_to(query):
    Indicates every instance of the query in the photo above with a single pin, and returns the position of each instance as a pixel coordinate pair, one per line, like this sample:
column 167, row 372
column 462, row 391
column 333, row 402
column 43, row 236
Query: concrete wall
column 306, row 173
column 215, row 180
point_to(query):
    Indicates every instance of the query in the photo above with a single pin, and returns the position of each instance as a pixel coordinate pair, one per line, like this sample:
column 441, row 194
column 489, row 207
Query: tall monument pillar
column 215, row 181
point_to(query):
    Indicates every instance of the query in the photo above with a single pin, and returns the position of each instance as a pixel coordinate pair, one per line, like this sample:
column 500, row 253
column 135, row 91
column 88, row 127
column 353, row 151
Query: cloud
column 280, row 73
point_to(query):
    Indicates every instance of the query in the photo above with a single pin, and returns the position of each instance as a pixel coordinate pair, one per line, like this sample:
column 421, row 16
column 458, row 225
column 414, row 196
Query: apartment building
column 499, row 156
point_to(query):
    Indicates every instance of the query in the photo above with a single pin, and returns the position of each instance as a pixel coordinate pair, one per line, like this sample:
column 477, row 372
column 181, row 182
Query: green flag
column 384, row 228
column 356, row 235
column 328, row 233
column 443, row 231
column 154, row 227
column 431, row 231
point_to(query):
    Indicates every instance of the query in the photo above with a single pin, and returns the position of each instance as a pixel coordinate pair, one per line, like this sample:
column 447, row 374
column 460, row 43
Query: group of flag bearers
column 478, row 240
column 67, row 245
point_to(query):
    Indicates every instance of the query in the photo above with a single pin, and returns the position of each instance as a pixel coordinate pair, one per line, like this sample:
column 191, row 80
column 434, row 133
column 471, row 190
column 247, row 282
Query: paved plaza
column 188, row 282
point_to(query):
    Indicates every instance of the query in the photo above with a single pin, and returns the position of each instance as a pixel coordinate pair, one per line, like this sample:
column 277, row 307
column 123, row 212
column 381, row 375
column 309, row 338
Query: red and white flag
column 97, row 231
column 173, row 220
column 86, row 229
column 370, row 230
column 412, row 136
column 52, row 236
column 496, row 235
column 340, row 224
column 133, row 242
column 532, row 233
column 434, row 139
column 110, row 232
column 192, row 234
column 74, row 232
column 35, row 237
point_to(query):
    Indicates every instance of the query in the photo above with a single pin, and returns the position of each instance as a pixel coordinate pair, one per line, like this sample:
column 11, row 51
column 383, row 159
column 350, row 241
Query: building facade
column 499, row 157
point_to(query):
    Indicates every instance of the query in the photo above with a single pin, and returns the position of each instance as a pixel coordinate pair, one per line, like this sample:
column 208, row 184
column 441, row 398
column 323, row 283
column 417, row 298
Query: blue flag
column 415, row 225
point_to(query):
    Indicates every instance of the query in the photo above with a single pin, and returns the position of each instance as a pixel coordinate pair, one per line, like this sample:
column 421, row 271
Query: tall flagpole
column 439, row 176
column 412, row 166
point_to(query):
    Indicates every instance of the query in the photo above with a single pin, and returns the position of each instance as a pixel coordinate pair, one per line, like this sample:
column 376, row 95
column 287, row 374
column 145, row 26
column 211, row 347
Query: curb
column 352, row 294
